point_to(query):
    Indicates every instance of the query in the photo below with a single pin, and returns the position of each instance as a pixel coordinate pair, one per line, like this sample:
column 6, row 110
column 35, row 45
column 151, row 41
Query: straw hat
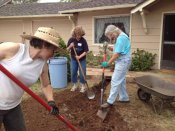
column 46, row 34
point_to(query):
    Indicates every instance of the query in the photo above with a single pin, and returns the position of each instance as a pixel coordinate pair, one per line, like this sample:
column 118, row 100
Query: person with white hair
column 122, row 58
column 27, row 62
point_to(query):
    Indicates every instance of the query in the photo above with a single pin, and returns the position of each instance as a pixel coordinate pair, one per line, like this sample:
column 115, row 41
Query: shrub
column 95, row 60
column 142, row 60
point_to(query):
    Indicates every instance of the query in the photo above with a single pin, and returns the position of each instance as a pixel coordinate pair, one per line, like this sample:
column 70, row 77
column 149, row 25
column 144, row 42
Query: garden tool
column 37, row 98
column 90, row 92
column 102, row 113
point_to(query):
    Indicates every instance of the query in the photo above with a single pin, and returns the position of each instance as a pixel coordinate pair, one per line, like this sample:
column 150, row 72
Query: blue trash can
column 58, row 72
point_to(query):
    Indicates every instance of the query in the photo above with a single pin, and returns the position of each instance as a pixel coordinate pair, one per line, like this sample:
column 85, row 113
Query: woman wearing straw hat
column 27, row 62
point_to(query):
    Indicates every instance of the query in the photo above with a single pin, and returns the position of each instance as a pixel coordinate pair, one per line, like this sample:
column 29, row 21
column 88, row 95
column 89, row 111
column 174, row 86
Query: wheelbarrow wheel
column 143, row 96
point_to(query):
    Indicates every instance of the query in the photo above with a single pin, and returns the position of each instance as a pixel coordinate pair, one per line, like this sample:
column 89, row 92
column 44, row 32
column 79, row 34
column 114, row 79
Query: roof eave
column 5, row 3
column 141, row 6
column 98, row 8
column 36, row 16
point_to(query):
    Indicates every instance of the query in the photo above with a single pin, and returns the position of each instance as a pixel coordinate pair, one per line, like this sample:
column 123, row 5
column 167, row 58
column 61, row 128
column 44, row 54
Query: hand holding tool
column 90, row 93
column 55, row 109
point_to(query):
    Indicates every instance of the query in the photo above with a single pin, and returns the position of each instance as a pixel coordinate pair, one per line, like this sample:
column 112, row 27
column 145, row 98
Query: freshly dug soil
column 81, row 112
column 77, row 109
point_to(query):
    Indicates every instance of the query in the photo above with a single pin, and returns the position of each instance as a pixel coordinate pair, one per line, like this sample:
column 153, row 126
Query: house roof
column 100, row 5
column 142, row 5
column 30, row 9
column 4, row 2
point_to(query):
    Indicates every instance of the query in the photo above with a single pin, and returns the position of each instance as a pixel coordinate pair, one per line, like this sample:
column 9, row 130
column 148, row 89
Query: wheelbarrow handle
column 37, row 98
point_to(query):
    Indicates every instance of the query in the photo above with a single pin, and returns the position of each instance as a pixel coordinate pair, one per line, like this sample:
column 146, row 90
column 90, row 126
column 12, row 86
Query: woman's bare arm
column 45, row 84
column 8, row 50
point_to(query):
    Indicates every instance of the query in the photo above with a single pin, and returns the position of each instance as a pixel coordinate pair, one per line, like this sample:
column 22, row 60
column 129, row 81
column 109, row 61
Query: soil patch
column 81, row 112
column 76, row 108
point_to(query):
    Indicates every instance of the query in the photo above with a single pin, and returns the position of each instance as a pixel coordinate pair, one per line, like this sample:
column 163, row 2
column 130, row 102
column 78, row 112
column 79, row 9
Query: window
column 123, row 22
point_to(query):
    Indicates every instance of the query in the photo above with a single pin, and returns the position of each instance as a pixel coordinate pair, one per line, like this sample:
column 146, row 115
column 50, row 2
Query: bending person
column 122, row 58
column 27, row 62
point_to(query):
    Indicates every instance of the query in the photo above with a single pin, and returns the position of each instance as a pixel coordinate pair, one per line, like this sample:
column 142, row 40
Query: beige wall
column 154, row 19
column 10, row 29
column 62, row 24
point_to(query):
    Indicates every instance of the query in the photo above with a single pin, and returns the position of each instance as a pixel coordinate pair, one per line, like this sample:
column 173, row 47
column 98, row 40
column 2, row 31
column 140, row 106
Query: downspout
column 142, row 14
column 74, row 19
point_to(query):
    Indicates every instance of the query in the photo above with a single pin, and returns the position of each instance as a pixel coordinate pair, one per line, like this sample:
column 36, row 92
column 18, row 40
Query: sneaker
column 106, row 105
column 74, row 87
column 83, row 88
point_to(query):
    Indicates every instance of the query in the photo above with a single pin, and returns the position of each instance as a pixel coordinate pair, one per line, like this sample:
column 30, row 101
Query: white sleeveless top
column 25, row 69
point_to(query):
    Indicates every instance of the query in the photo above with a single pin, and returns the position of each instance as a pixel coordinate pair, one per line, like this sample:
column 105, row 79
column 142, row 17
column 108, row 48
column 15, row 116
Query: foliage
column 95, row 60
column 142, row 60
column 64, row 53
column 102, row 51
column 23, row 1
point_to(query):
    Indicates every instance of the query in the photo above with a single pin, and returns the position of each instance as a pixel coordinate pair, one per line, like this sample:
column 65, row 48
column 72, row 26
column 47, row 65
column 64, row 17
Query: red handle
column 26, row 89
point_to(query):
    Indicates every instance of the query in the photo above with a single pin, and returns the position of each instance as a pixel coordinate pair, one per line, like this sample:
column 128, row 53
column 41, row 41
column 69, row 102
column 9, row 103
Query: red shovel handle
column 104, row 59
column 26, row 89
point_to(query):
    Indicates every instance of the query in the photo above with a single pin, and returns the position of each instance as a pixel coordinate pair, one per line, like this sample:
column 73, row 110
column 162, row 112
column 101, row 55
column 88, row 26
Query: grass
column 34, row 88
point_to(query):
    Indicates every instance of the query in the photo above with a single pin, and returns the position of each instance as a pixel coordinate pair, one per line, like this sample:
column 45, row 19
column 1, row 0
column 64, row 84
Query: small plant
column 142, row 60
column 95, row 60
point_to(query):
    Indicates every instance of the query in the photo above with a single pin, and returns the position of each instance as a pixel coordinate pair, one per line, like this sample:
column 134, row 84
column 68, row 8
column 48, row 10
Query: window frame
column 107, row 16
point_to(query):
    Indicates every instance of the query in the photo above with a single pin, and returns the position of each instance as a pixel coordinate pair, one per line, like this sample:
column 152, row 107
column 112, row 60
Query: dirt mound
column 76, row 108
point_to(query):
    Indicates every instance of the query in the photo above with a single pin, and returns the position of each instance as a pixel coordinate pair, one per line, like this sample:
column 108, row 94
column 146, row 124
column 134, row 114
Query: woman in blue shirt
column 122, row 58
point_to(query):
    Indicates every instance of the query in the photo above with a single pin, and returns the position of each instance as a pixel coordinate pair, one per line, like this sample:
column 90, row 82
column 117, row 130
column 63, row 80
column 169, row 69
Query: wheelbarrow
column 160, row 88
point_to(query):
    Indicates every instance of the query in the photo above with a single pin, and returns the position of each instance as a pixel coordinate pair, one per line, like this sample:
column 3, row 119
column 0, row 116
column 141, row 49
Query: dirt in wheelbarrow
column 81, row 113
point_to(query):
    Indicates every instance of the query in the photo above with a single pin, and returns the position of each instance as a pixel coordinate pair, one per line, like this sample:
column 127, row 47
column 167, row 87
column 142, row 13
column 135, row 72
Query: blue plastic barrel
column 58, row 72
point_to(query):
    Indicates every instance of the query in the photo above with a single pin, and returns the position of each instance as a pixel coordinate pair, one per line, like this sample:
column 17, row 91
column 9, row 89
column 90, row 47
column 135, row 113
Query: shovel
column 102, row 113
column 37, row 98
column 90, row 93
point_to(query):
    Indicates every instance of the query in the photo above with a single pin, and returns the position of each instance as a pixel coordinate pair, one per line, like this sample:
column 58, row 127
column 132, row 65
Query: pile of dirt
column 76, row 108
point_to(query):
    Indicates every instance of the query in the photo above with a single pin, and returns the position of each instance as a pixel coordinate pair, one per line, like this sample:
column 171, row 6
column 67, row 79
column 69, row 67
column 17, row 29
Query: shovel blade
column 90, row 94
column 102, row 114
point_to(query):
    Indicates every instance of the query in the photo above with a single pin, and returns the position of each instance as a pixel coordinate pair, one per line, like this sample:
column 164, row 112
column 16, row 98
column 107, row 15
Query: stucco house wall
column 151, row 41
column 11, row 29
column 62, row 24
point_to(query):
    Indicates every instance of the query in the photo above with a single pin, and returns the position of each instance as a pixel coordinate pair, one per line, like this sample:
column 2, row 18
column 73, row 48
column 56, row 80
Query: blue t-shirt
column 122, row 45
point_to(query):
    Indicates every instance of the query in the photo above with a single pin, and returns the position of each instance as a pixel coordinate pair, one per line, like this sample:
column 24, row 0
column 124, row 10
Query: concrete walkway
column 165, row 74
